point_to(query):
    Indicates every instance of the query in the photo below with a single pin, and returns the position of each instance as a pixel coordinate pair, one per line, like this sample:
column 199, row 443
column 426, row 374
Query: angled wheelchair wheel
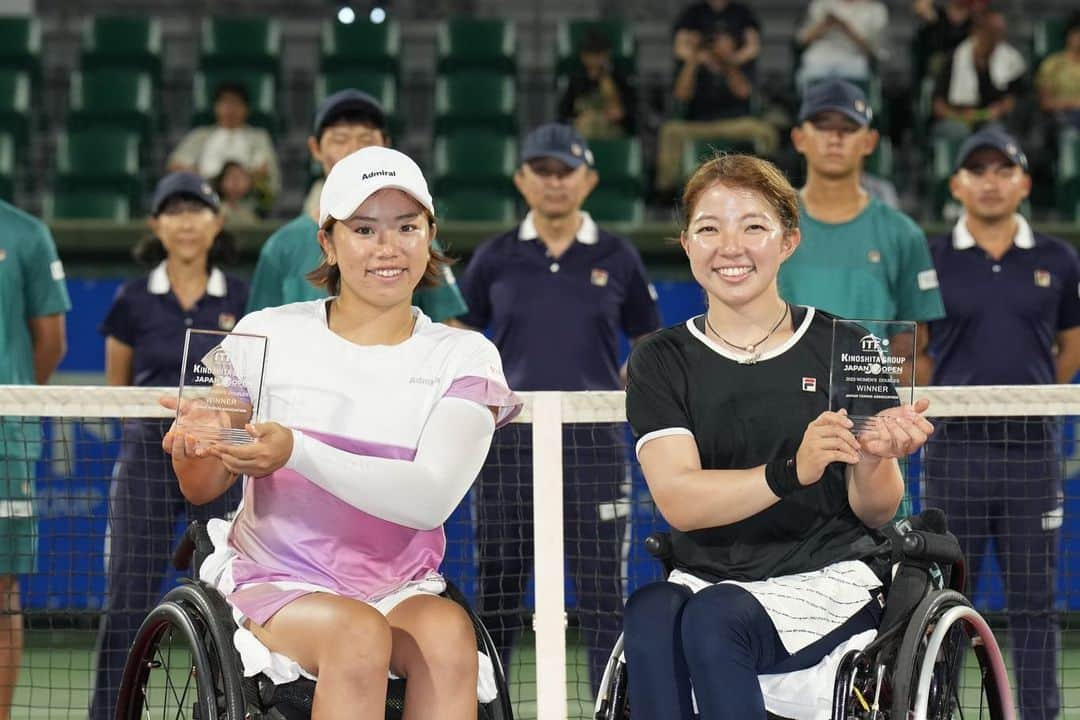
column 169, row 671
column 611, row 701
column 949, row 665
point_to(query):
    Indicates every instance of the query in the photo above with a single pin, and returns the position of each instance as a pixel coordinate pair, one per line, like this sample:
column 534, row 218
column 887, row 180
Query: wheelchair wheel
column 169, row 671
column 611, row 701
column 935, row 678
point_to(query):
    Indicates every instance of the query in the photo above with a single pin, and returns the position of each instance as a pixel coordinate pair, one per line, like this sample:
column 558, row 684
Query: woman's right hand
column 827, row 439
column 185, row 445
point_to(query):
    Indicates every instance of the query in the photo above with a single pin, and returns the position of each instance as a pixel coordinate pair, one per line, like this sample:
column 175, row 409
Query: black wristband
column 781, row 477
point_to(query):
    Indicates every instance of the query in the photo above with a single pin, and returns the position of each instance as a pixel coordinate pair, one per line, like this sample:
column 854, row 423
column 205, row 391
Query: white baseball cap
column 358, row 176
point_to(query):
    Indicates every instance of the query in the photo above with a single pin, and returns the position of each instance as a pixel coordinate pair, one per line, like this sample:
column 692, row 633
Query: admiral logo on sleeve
column 57, row 269
column 927, row 279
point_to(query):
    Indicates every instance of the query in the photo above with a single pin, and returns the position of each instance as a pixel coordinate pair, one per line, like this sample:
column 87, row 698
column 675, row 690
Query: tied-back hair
column 328, row 276
column 150, row 251
column 743, row 172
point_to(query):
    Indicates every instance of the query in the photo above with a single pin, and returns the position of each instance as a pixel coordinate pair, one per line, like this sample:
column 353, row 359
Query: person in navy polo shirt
column 555, row 293
column 144, row 344
column 1011, row 297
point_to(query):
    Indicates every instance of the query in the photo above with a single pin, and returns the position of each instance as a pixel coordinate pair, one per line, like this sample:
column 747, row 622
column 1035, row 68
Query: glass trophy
column 220, row 384
column 870, row 371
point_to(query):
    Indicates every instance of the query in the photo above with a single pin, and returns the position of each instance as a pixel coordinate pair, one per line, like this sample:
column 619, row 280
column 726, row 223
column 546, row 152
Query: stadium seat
column 124, row 41
column 99, row 159
column 942, row 157
column 240, row 43
column 475, row 101
column 87, row 205
column 880, row 162
column 464, row 44
column 15, row 115
column 619, row 164
column 476, row 206
column 477, row 161
column 361, row 45
column 1047, row 38
column 112, row 98
column 568, row 35
column 20, row 46
column 379, row 84
column 697, row 150
column 1067, row 175
column 7, row 167
column 261, row 92
column 613, row 206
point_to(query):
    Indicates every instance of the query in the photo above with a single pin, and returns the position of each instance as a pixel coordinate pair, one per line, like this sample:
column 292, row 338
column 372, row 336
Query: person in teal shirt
column 858, row 258
column 344, row 122
column 34, row 299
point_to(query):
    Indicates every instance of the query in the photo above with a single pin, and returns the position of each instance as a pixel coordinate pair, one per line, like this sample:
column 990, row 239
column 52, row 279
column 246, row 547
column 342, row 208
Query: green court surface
column 56, row 675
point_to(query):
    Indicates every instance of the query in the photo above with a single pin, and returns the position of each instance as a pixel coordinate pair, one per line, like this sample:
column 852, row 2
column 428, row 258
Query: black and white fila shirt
column 742, row 416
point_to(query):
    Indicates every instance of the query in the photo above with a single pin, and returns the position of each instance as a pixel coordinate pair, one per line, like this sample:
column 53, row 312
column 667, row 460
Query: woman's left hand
column 896, row 432
column 271, row 450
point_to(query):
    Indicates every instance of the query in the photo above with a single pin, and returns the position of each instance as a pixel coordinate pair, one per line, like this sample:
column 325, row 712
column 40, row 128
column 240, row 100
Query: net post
column 549, row 622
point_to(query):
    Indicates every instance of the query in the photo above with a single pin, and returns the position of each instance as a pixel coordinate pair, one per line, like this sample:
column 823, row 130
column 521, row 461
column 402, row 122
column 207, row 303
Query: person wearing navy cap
column 555, row 293
column 144, row 344
column 344, row 122
column 1005, row 286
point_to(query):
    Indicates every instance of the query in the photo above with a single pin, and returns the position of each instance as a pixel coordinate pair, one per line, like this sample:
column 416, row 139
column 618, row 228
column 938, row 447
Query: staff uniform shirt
column 31, row 286
column 365, row 400
column 293, row 251
column 1002, row 318
column 875, row 266
column 556, row 321
column 743, row 416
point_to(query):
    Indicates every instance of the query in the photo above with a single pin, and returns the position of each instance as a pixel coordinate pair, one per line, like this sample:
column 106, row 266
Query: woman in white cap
column 377, row 422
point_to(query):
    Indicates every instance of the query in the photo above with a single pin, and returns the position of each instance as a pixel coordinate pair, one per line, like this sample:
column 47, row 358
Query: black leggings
column 720, row 639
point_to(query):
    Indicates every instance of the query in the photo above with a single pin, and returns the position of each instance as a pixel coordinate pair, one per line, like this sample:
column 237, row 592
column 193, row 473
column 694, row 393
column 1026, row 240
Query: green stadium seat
column 475, row 101
column 7, row 167
column 361, row 45
column 568, row 35
column 15, row 112
column 1047, row 38
column 478, row 161
column 476, row 206
column 942, row 157
column 613, row 206
column 881, row 162
column 123, row 41
column 87, row 205
column 696, row 151
column 466, row 44
column 20, row 45
column 379, row 84
column 99, row 159
column 261, row 89
column 1067, row 174
column 240, row 43
column 113, row 98
column 619, row 164
column 924, row 112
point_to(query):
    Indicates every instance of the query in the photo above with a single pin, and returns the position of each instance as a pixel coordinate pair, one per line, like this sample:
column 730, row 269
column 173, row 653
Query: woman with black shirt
column 771, row 498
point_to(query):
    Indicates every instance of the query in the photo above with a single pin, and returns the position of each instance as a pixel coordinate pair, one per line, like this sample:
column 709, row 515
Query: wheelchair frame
column 204, row 622
column 916, row 662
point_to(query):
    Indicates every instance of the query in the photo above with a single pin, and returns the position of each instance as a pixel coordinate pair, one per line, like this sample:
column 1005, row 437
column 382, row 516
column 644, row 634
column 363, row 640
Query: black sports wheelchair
column 183, row 664
column 916, row 668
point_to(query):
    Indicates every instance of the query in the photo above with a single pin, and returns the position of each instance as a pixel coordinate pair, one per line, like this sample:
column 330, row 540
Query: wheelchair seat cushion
column 257, row 659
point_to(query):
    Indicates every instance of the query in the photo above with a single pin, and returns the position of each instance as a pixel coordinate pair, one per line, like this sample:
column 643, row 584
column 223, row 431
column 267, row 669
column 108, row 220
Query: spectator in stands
column 206, row 149
column 858, row 257
column 345, row 122
column 714, row 92
column 598, row 100
column 980, row 82
column 34, row 299
column 233, row 185
column 1058, row 79
column 942, row 26
column 144, row 344
column 556, row 292
column 841, row 38
column 1005, row 286
column 699, row 19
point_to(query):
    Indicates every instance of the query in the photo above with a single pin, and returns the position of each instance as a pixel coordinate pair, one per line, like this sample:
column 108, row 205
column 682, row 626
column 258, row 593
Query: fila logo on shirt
column 1042, row 278
column 809, row 384
column 226, row 321
column 599, row 277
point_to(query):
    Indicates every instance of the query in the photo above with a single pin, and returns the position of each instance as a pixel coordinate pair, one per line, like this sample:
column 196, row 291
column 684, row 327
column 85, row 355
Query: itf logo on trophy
column 869, row 371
